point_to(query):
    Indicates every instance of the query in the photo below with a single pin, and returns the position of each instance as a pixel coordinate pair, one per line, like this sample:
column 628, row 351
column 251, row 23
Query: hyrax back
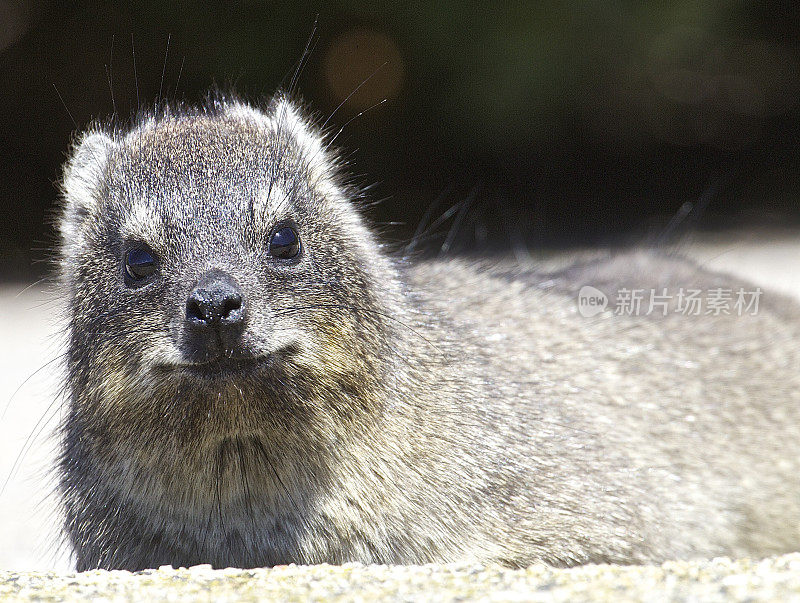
column 253, row 380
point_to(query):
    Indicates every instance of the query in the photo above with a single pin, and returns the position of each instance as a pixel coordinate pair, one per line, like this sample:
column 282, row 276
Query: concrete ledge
column 718, row 580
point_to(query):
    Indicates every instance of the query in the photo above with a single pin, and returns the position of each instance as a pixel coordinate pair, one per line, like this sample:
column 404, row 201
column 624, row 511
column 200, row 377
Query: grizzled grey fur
column 384, row 411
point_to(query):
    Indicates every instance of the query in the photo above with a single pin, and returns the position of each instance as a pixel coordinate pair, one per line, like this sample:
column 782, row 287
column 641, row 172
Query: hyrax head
column 212, row 260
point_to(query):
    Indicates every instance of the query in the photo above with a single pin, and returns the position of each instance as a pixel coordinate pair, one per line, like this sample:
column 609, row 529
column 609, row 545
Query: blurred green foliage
column 561, row 122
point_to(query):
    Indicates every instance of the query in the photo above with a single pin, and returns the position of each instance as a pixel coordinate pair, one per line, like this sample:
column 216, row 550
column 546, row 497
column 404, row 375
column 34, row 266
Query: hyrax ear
column 289, row 122
column 83, row 175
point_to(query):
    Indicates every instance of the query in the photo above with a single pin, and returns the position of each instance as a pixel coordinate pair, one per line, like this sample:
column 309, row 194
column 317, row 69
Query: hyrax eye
column 139, row 264
column 284, row 243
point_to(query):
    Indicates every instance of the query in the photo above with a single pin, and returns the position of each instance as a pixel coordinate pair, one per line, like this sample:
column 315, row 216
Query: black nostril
column 215, row 300
column 230, row 305
column 194, row 310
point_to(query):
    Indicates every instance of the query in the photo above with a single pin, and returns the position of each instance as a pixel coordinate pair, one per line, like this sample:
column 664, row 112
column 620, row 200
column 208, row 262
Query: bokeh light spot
column 365, row 65
column 14, row 22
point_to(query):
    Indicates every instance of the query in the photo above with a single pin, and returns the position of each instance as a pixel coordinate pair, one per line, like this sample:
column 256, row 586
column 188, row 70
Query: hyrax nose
column 215, row 302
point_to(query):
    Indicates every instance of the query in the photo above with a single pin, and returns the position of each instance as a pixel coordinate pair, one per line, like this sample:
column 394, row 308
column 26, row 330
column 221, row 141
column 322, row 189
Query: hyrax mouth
column 222, row 366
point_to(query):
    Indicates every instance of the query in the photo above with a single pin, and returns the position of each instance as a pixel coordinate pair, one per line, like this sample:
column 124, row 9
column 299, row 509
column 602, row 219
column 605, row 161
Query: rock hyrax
column 253, row 379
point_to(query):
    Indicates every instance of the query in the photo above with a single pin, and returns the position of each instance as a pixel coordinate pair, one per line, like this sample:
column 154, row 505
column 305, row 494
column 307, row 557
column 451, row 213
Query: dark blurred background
column 531, row 125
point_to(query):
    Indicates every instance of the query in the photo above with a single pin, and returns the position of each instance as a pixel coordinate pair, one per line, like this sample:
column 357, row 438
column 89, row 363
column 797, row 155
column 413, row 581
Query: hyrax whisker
column 47, row 364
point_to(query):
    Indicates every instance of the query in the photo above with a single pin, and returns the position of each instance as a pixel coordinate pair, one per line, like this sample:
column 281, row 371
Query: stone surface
column 776, row 579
